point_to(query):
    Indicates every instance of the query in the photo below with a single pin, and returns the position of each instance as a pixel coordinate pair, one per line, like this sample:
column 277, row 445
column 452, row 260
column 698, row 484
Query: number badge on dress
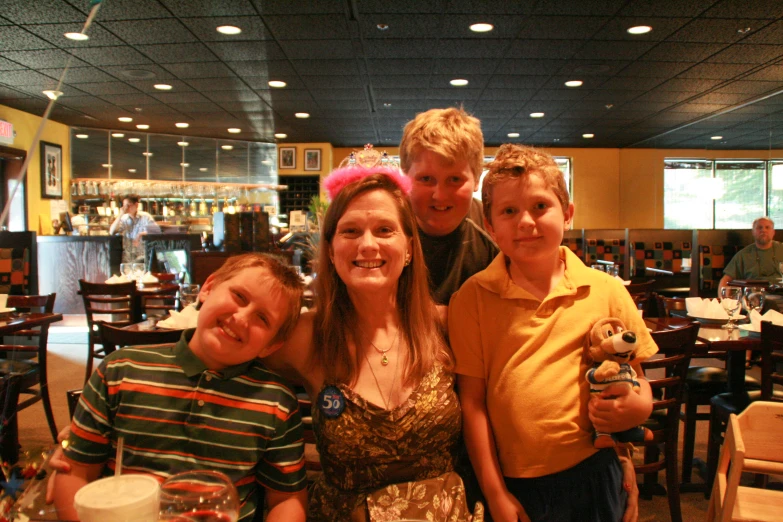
column 331, row 401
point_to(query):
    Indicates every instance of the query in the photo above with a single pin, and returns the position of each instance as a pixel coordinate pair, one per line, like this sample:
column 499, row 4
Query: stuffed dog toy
column 611, row 348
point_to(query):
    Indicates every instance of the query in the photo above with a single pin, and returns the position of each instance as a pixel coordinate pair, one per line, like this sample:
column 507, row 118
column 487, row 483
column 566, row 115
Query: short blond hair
column 450, row 133
column 517, row 161
column 762, row 218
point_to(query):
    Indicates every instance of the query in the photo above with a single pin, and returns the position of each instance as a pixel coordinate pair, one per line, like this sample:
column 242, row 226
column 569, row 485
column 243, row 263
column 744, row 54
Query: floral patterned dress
column 383, row 465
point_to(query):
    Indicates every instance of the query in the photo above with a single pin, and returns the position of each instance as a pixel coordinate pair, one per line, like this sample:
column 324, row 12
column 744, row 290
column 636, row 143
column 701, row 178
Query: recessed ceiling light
column 640, row 29
column 203, row 169
column 382, row 27
column 162, row 86
column 536, row 114
column 142, row 126
column 717, row 138
column 302, row 115
column 281, row 135
column 131, row 170
column 556, row 139
column 574, row 83
column 182, row 125
column 459, row 82
column 82, row 136
column 52, row 95
column 743, row 30
column 277, row 84
column 588, row 136
column 106, row 165
column 80, row 37
column 183, row 143
column 481, row 28
column 148, row 154
column 513, row 135
column 125, row 119
column 229, row 29
column 387, row 105
column 184, row 164
column 134, row 140
column 227, row 147
column 117, row 135
column 234, row 130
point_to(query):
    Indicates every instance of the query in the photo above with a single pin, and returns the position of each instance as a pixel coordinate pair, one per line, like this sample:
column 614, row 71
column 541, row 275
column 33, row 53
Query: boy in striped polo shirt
column 205, row 402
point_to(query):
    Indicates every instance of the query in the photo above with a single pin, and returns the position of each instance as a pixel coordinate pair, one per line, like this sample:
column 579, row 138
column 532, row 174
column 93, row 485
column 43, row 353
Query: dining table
column 13, row 322
column 150, row 291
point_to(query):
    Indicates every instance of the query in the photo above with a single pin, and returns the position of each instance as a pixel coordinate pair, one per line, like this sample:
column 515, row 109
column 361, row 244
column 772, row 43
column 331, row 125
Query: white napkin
column 772, row 316
column 117, row 279
column 706, row 308
column 148, row 278
column 187, row 318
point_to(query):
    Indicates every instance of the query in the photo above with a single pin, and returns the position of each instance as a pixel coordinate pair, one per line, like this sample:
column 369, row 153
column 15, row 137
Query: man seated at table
column 205, row 402
column 760, row 260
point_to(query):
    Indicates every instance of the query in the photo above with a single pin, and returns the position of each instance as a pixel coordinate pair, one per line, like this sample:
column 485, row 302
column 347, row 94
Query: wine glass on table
column 198, row 496
column 126, row 269
column 753, row 298
column 188, row 293
column 730, row 299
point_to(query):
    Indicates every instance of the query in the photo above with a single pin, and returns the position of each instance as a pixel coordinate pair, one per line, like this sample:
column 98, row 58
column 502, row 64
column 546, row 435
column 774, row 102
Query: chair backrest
column 113, row 337
column 676, row 347
column 32, row 303
column 771, row 360
column 161, row 302
column 641, row 294
column 112, row 303
column 666, row 305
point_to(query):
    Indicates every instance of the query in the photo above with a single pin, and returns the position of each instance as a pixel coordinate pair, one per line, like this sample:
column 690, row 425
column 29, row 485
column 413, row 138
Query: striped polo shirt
column 176, row 415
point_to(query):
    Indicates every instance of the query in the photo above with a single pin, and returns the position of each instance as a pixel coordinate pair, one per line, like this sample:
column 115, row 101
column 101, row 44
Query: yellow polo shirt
column 529, row 352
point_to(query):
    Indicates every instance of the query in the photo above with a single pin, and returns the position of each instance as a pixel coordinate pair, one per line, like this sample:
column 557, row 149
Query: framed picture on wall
column 51, row 171
column 312, row 159
column 287, row 157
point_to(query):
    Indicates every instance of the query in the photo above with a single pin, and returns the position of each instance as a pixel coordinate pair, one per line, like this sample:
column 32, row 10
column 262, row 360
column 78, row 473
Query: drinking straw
column 118, row 457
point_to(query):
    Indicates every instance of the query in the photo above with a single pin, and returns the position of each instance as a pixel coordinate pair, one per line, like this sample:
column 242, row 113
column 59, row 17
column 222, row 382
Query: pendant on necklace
column 384, row 360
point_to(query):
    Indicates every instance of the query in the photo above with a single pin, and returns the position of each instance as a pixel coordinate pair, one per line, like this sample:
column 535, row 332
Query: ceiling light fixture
column 227, row 147
column 459, row 82
column 281, row 135
column 82, row 136
column 481, row 28
column 234, row 130
column 142, row 126
column 717, row 138
column 182, row 125
column 513, row 135
column 574, row 83
column 134, row 140
column 382, row 27
column 131, row 170
column 203, row 169
column 536, row 114
column 639, row 29
column 229, row 29
column 184, row 164
column 148, row 154
column 744, row 30
column 79, row 37
column 52, row 95
column 125, row 119
column 183, row 143
column 162, row 86
column 588, row 136
column 302, row 115
column 387, row 105
column 117, row 135
column 106, row 165
column 277, row 84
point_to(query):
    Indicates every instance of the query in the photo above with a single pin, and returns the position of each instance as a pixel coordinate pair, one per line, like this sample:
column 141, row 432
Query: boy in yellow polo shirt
column 517, row 330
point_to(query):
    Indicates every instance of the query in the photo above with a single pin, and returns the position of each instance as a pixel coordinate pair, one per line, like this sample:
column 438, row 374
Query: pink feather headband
column 338, row 179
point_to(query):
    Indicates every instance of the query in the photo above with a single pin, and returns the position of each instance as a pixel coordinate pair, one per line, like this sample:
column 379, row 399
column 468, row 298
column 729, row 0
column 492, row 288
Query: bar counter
column 63, row 260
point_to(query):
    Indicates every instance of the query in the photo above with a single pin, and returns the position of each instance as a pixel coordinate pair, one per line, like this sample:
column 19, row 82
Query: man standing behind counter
column 761, row 260
column 132, row 223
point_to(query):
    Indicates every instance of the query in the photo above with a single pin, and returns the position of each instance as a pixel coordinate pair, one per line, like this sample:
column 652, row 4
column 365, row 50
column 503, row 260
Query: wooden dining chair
column 113, row 337
column 753, row 444
column 159, row 305
column 29, row 361
column 666, row 374
column 105, row 303
column 725, row 404
column 642, row 294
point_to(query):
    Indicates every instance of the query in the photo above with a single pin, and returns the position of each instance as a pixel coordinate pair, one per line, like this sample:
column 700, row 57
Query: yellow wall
column 25, row 126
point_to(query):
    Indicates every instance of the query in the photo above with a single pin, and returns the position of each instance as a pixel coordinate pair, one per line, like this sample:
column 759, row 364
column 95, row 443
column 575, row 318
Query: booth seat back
column 716, row 248
column 18, row 267
column 575, row 241
column 658, row 248
column 607, row 245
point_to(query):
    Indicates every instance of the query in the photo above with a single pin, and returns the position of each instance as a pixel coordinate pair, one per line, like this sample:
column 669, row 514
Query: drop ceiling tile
column 8, row 65
column 388, row 67
column 291, row 95
column 187, row 71
column 205, row 29
column 77, row 75
column 755, row 54
column 395, row 49
column 308, row 27
column 190, row 8
column 516, row 81
column 54, row 33
column 339, row 82
column 146, row 32
column 467, row 48
column 241, row 51
column 716, row 71
column 561, row 27
column 324, row 67
column 14, row 38
column 134, row 99
column 338, row 94
column 403, row 26
column 770, row 34
column 607, row 50
column 178, row 53
column 682, row 52
column 107, row 88
column 653, row 69
column 147, row 86
column 278, row 7
column 240, row 106
column 43, row 58
column 687, row 85
column 195, row 108
column 542, row 49
column 530, row 67
column 772, row 73
column 316, row 49
column 662, row 28
column 239, row 95
column 123, row 55
column 43, row 11
column 25, row 77
column 738, row 8
column 711, row 31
